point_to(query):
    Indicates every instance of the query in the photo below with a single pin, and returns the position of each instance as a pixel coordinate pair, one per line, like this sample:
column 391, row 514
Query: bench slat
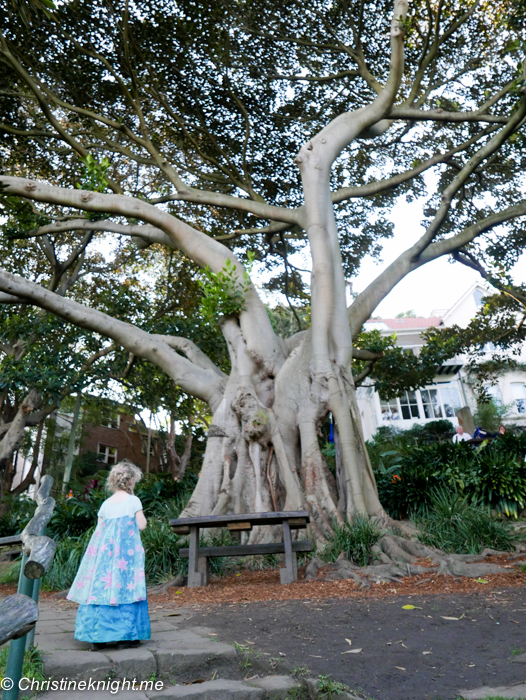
column 13, row 539
column 209, row 521
column 243, row 550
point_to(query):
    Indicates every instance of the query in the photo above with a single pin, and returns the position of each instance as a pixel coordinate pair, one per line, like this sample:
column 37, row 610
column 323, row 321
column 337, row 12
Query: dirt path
column 476, row 649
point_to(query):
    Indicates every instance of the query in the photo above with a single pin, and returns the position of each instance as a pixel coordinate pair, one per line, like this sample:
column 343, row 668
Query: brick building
column 119, row 436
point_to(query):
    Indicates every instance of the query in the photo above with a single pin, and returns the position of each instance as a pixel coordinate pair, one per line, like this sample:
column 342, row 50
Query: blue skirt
column 112, row 623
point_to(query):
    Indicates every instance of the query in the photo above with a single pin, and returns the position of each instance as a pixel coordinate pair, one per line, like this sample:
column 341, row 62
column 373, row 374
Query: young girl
column 110, row 586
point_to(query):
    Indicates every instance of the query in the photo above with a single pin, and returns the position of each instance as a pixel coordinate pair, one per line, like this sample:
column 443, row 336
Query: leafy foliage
column 493, row 475
column 223, row 294
column 456, row 524
column 354, row 540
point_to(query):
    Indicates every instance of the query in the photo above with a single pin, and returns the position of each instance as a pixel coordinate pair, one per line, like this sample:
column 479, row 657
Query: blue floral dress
column 110, row 586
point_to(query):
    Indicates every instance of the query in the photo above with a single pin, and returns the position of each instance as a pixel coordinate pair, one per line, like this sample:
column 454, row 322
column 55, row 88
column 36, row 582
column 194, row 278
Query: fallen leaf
column 400, row 668
column 212, row 634
column 198, row 680
column 481, row 580
column 444, row 617
column 281, row 653
column 349, row 641
column 352, row 651
column 178, row 593
column 410, row 607
column 515, row 621
column 426, row 652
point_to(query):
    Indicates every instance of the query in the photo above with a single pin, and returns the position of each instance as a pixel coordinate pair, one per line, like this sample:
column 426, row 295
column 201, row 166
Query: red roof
column 406, row 324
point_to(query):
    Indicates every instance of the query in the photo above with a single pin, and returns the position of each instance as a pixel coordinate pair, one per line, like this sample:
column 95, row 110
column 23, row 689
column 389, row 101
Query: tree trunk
column 264, row 451
column 29, row 478
column 11, row 440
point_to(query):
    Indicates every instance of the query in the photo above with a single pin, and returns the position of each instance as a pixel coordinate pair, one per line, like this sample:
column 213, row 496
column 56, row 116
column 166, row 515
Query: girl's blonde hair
column 123, row 476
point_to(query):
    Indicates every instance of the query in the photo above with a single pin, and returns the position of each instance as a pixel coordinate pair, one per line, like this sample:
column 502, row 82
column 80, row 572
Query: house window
column 450, row 396
column 519, row 395
column 409, row 405
column 111, row 420
column 431, row 403
column 107, row 454
column 390, row 410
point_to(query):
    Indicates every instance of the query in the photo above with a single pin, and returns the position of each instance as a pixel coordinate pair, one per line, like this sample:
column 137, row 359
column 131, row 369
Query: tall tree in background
column 253, row 130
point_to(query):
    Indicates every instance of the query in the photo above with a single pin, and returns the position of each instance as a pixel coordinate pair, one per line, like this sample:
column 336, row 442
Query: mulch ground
column 252, row 586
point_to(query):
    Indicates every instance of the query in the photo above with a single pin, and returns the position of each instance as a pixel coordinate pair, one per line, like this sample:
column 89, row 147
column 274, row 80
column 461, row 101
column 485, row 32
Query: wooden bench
column 198, row 568
column 10, row 554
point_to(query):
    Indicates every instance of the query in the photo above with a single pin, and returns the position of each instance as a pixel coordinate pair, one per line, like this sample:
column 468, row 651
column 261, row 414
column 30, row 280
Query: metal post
column 71, row 443
column 30, row 637
column 17, row 647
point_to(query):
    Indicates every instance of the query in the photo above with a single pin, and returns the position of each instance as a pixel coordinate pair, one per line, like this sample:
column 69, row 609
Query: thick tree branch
column 365, row 303
column 199, row 247
column 196, row 381
column 382, row 185
column 441, row 115
column 192, row 352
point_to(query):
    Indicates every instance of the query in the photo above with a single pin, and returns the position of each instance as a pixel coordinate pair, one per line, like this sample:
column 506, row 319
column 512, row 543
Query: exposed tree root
column 396, row 557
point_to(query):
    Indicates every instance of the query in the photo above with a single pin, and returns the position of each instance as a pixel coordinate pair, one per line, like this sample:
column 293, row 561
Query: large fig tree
column 222, row 129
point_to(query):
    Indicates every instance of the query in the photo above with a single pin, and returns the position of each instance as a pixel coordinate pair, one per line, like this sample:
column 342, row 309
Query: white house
column 450, row 390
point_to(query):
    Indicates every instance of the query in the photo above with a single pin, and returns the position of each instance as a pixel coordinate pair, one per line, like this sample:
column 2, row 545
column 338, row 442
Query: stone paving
column 174, row 664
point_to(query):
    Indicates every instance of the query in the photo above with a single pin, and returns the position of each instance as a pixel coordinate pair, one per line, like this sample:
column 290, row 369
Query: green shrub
column 456, row 525
column 490, row 414
column 493, row 474
column 18, row 512
column 354, row 540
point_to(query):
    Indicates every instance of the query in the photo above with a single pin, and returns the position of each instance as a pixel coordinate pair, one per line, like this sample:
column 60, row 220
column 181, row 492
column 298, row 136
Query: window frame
column 395, row 405
column 105, row 455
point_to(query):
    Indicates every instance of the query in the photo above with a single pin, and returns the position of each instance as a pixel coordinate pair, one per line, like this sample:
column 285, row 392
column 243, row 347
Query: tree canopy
column 249, row 131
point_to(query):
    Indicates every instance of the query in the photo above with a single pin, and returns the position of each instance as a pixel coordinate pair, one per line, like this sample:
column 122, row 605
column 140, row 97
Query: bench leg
column 290, row 573
column 196, row 572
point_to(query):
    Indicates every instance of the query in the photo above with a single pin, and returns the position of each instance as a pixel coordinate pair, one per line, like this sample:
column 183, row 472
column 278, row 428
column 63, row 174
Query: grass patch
column 457, row 526
column 33, row 666
column 354, row 540
column 329, row 688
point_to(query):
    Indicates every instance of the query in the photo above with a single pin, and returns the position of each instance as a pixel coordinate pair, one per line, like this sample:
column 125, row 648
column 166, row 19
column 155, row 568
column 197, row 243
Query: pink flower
column 130, row 586
column 104, row 548
column 131, row 552
column 91, row 551
column 80, row 583
column 122, row 564
column 92, row 598
column 119, row 585
column 117, row 550
column 138, row 547
column 131, row 533
column 130, row 522
column 112, row 541
column 107, row 579
column 113, row 601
